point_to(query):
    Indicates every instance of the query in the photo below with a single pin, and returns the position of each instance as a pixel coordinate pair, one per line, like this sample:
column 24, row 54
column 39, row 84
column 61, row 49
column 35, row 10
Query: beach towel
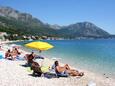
column 39, row 57
column 29, row 69
column 62, row 74
column 45, row 69
column 20, row 58
column 1, row 55
column 50, row 75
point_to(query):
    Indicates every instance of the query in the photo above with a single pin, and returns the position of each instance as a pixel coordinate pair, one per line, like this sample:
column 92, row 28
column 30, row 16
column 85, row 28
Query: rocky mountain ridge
column 34, row 26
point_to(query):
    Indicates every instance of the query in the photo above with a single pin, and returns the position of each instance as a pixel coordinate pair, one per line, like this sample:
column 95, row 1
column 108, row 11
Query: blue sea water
column 93, row 55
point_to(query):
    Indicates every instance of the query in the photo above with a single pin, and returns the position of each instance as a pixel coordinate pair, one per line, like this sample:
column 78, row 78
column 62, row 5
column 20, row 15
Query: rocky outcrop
column 12, row 13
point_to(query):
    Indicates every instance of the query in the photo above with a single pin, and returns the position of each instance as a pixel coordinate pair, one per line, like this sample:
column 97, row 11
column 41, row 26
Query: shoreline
column 97, row 72
column 100, row 80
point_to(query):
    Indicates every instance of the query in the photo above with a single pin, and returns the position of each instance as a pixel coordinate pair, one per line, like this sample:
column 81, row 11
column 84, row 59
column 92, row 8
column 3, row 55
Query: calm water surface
column 93, row 55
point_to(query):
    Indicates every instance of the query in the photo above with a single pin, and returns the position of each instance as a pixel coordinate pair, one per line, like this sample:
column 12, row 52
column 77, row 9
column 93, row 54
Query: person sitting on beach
column 30, row 58
column 15, row 53
column 36, row 68
column 66, row 70
column 8, row 54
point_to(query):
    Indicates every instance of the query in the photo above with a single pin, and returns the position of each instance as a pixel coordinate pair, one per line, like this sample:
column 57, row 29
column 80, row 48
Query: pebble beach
column 12, row 73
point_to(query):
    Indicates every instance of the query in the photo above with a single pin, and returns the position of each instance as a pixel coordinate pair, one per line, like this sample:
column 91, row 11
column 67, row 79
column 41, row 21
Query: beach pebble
column 107, row 77
column 91, row 83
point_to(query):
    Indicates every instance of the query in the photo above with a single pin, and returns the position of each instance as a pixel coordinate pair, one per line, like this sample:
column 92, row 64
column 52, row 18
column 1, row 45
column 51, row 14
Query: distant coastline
column 25, row 27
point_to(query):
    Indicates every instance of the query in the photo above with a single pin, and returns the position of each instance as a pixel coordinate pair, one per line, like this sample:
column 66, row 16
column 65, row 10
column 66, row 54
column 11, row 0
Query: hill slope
column 13, row 21
column 84, row 29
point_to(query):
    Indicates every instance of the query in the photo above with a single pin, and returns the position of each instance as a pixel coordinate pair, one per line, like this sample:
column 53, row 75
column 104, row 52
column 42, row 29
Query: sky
column 65, row 12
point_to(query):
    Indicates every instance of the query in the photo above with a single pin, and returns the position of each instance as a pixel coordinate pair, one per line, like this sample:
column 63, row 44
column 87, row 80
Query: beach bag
column 50, row 75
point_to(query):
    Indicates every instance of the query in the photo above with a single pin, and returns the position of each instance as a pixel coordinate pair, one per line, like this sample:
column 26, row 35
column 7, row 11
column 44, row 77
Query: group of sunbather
column 59, row 70
column 12, row 54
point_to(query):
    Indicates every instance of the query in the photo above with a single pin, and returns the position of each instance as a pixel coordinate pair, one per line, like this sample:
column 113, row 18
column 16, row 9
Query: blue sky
column 65, row 12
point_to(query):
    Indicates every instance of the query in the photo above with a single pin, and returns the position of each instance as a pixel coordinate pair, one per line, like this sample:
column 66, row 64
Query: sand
column 12, row 73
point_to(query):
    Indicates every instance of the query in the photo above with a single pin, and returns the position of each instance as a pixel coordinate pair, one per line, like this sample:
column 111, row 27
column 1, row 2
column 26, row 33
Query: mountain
column 83, row 29
column 13, row 21
column 24, row 17
column 55, row 26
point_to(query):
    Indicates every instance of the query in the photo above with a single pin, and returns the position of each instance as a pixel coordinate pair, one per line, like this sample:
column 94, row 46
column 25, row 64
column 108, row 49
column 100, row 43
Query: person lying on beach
column 66, row 69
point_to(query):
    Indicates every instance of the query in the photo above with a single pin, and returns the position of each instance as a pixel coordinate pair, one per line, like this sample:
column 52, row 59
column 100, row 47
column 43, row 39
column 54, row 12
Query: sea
column 95, row 55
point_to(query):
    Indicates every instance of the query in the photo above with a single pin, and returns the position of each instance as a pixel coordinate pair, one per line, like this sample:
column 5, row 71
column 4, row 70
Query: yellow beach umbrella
column 39, row 45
